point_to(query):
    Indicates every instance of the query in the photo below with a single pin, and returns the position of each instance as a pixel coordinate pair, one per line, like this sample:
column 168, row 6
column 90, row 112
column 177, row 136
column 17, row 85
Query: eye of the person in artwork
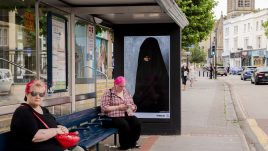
column 147, row 58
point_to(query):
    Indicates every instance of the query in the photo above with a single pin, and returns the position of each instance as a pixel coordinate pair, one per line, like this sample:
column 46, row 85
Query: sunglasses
column 33, row 93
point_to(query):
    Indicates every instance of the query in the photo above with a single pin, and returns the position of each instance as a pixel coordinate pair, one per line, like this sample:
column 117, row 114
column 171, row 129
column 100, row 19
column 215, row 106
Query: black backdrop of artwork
column 172, row 125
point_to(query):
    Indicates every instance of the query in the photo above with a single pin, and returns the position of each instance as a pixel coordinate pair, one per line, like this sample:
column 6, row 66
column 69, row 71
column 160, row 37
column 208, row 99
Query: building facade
column 244, row 40
column 214, row 38
column 238, row 7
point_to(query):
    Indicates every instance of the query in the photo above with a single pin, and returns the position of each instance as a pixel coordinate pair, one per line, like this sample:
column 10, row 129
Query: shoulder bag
column 65, row 140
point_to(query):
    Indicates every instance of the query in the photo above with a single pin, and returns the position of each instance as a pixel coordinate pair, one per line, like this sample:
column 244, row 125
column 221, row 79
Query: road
column 254, row 98
column 253, row 103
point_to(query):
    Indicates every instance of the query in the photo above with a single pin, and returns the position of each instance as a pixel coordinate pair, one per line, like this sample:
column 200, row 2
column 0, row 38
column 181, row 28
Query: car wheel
column 244, row 79
column 251, row 81
column 255, row 82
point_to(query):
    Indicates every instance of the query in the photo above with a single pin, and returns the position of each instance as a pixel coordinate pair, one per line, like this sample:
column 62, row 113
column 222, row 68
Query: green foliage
column 198, row 55
column 15, row 4
column 201, row 20
column 265, row 25
column 100, row 29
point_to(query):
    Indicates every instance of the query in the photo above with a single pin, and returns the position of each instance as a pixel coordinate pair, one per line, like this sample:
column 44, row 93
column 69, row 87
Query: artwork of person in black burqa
column 152, row 81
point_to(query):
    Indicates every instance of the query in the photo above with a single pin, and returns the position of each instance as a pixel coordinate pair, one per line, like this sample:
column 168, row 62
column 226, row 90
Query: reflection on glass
column 84, row 58
column 17, row 51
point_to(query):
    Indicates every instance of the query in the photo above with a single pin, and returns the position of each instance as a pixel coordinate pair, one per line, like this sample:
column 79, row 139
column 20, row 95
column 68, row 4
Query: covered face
column 152, row 81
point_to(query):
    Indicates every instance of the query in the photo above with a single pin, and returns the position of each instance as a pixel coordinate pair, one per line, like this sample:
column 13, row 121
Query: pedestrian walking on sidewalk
column 117, row 104
column 184, row 74
column 191, row 75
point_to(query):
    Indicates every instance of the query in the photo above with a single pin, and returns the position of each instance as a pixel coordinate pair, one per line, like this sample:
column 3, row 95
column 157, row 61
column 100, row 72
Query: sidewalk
column 209, row 122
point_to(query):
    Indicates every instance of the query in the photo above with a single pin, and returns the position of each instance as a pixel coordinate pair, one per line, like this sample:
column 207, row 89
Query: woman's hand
column 122, row 107
column 62, row 129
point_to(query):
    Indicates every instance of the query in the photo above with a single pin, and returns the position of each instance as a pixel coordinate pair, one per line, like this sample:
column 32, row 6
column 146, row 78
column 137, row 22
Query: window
column 258, row 42
column 245, row 42
column 240, row 3
column 235, row 30
column 247, row 3
column 227, row 31
column 3, row 36
column 257, row 26
column 226, row 45
column 235, row 43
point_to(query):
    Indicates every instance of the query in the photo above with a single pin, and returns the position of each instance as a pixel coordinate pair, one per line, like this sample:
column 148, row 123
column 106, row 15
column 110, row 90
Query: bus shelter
column 146, row 44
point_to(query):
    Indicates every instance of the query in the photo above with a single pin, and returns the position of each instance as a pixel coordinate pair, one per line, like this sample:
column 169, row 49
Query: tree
column 197, row 55
column 201, row 20
column 265, row 25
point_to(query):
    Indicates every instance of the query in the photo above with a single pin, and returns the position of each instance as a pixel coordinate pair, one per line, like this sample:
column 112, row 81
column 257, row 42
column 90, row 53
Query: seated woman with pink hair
column 117, row 104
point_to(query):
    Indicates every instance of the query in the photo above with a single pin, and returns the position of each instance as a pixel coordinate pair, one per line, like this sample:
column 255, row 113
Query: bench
column 86, row 122
column 89, row 126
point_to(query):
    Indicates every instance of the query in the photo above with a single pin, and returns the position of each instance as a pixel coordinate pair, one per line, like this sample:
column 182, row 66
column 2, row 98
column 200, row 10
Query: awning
column 109, row 12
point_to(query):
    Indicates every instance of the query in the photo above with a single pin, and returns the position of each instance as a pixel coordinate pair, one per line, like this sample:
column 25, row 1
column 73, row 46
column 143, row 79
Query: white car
column 6, row 80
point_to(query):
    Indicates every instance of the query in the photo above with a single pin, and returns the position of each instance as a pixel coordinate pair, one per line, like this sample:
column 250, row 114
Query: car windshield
column 261, row 69
column 251, row 68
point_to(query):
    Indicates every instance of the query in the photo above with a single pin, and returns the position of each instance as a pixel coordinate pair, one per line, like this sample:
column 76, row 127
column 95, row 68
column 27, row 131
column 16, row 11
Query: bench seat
column 89, row 126
column 91, row 138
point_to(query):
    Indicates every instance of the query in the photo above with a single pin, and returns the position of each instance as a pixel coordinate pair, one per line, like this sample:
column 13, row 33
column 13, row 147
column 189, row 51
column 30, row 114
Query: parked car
column 247, row 72
column 249, row 67
column 259, row 75
column 221, row 71
column 236, row 70
column 6, row 81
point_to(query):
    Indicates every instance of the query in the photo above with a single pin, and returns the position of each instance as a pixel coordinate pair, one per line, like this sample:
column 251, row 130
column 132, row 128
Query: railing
column 22, row 67
column 106, row 77
column 17, row 65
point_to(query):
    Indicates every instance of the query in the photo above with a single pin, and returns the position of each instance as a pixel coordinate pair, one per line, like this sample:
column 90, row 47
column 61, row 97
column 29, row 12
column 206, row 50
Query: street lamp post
column 215, row 41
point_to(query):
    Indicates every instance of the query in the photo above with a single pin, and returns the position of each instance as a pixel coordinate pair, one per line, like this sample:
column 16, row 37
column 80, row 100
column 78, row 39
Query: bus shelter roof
column 109, row 12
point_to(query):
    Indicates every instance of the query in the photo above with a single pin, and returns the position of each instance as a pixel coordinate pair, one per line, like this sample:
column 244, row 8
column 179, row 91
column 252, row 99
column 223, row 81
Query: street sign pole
column 216, row 53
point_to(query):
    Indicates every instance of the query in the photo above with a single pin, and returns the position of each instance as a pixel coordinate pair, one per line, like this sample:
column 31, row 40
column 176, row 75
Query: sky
column 222, row 7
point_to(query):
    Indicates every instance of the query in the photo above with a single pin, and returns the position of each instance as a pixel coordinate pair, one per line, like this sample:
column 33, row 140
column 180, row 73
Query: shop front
column 235, row 59
column 246, row 58
column 258, row 57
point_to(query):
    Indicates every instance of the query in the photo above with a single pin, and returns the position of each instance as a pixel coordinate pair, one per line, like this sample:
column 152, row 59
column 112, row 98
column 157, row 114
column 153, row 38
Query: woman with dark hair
column 184, row 74
column 152, row 81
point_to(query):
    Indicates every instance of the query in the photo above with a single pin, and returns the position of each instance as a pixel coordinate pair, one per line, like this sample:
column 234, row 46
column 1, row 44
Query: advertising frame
column 57, row 54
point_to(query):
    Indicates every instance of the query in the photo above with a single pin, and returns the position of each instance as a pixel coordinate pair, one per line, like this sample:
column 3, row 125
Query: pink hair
column 33, row 83
column 119, row 80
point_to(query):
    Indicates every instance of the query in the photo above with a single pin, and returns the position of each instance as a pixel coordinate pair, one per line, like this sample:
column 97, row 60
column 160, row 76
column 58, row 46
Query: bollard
column 207, row 74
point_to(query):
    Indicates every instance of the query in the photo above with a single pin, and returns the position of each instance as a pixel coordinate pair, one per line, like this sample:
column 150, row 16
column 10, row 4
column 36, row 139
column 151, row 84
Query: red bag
column 68, row 140
column 65, row 140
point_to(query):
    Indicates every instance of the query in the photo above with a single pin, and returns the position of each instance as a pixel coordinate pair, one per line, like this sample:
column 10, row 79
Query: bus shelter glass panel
column 48, row 14
column 84, row 62
column 17, row 50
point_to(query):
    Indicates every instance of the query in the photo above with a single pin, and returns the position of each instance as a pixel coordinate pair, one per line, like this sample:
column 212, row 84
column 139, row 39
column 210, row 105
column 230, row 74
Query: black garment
column 24, row 126
column 183, row 77
column 129, row 129
column 210, row 72
column 152, row 81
